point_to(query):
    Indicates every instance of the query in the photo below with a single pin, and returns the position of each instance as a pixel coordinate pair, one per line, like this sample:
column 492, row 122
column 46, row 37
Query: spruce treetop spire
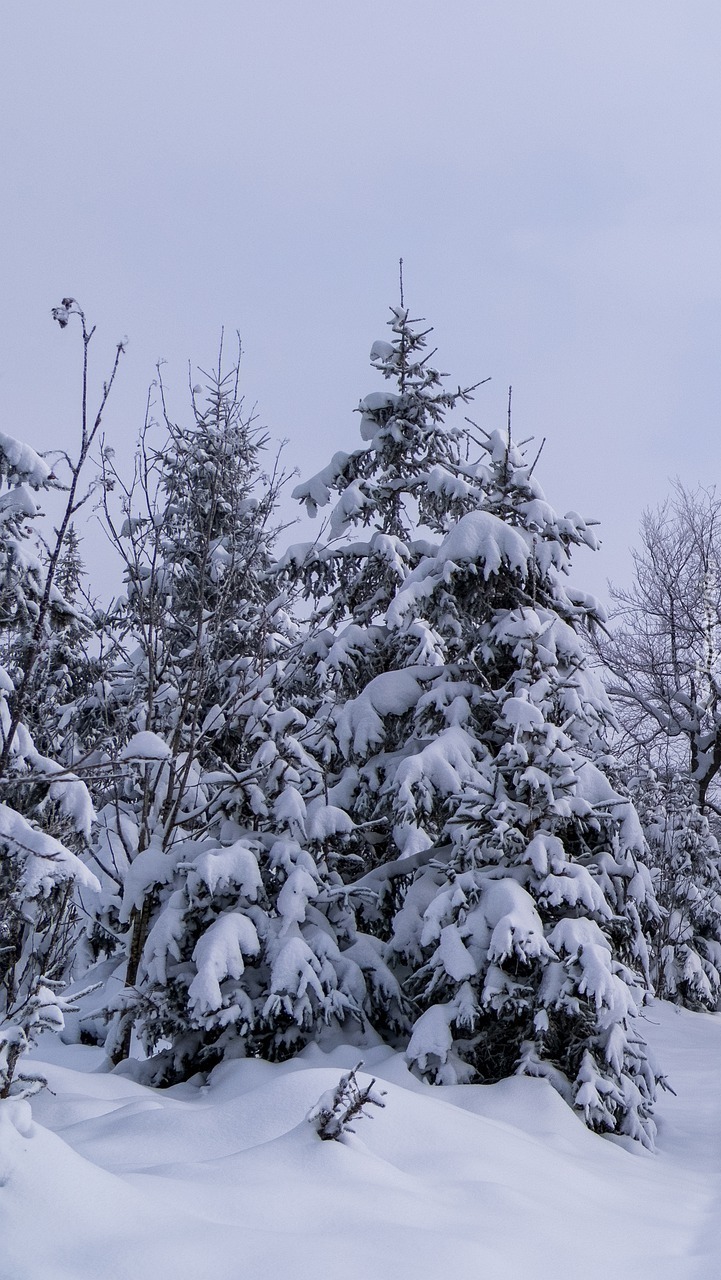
column 407, row 478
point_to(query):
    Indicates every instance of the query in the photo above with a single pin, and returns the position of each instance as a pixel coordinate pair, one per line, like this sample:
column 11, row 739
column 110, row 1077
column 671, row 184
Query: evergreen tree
column 216, row 837
column 44, row 811
column 193, row 543
column 683, row 856
column 409, row 482
column 464, row 734
column 46, row 814
column 64, row 667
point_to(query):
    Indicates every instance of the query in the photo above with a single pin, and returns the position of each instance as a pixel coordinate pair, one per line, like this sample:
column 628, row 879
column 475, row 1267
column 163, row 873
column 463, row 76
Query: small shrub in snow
column 337, row 1108
column 42, row 1010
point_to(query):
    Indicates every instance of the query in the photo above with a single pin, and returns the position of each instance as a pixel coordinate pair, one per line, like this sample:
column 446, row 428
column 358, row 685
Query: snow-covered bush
column 239, row 960
column 41, row 1009
column 337, row 1109
column 38, row 879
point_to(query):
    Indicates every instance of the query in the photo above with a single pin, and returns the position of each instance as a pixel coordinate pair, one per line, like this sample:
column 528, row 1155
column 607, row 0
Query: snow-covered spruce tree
column 192, row 540
column 409, row 483
column 685, row 943
column 30, row 615
column 462, row 728
column 46, row 814
column 65, row 667
column 219, row 836
column 40, row 802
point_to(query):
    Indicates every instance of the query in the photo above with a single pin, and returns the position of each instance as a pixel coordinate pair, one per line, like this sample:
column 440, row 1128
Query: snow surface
column 116, row 1180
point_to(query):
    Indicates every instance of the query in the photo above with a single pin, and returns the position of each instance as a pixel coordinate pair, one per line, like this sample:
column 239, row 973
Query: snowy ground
column 112, row 1180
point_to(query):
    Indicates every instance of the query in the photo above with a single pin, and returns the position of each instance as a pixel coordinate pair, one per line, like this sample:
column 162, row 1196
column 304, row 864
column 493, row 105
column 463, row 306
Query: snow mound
column 146, row 746
column 498, row 1181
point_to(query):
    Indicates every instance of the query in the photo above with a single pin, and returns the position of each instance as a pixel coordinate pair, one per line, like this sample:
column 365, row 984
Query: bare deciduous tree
column 663, row 647
column 71, row 472
column 45, row 809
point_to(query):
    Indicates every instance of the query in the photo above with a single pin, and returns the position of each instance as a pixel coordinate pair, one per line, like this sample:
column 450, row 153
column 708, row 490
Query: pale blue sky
column 549, row 170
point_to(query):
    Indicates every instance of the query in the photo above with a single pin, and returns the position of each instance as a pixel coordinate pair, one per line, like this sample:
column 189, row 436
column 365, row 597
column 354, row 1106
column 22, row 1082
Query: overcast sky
column 548, row 170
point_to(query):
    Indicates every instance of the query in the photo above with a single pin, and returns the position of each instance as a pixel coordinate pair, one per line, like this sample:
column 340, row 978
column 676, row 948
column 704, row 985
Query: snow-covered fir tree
column 65, row 666
column 192, row 540
column 464, row 734
column 219, row 837
column 408, row 483
column 45, row 812
column 685, row 943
